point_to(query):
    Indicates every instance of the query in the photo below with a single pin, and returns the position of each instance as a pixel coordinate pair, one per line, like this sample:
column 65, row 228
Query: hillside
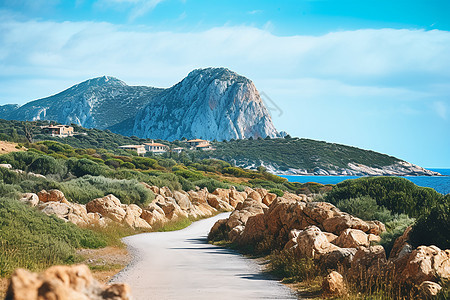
column 211, row 103
column 280, row 156
column 304, row 156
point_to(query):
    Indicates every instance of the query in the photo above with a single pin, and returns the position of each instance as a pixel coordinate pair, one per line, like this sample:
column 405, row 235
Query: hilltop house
column 156, row 148
column 178, row 150
column 140, row 149
column 58, row 130
column 198, row 144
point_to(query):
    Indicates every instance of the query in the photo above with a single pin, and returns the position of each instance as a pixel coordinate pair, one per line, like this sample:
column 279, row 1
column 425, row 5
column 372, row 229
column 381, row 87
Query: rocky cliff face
column 95, row 103
column 213, row 103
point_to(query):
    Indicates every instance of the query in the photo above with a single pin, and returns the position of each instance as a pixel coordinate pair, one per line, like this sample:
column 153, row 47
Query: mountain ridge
column 209, row 103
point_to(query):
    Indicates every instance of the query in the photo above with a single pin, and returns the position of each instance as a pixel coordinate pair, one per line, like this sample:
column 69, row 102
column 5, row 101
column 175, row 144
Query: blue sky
column 373, row 74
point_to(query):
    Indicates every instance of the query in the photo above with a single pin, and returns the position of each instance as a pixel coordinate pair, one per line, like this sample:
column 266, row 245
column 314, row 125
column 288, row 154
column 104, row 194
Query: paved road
column 182, row 265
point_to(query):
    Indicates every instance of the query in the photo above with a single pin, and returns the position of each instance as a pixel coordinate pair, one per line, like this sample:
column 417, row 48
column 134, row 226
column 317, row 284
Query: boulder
column 153, row 214
column 96, row 219
column 429, row 289
column 223, row 194
column 334, row 285
column 61, row 210
column 368, row 262
column 108, row 206
column 400, row 243
column 255, row 196
column 352, row 238
column 246, row 209
column 330, row 237
column 52, row 196
column 62, row 282
column 133, row 217
column 218, row 203
column 262, row 192
column 254, row 231
column 338, row 257
column 312, row 243
column 269, row 198
column 182, row 199
column 426, row 264
column 172, row 210
column 30, row 198
column 236, row 197
column 344, row 221
column 165, row 192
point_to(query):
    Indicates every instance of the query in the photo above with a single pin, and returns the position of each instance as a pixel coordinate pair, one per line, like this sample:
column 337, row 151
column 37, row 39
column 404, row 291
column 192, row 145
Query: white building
column 156, row 148
column 140, row 149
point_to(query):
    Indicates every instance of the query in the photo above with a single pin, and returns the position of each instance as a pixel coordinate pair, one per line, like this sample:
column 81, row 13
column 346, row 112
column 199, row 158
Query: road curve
column 182, row 265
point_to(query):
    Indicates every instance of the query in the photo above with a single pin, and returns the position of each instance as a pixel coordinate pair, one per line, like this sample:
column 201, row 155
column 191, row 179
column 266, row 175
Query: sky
column 374, row 74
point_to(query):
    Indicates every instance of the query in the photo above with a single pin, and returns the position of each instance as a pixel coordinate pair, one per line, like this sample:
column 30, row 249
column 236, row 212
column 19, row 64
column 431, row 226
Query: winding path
column 182, row 265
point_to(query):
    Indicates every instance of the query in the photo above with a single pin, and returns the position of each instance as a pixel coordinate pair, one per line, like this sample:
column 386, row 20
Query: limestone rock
column 269, row 198
column 64, row 283
column 312, row 243
column 426, row 264
column 352, row 238
column 334, row 285
column 246, row 209
column 218, row 203
column 400, row 243
column 52, row 196
column 108, row 206
column 61, row 210
column 172, row 210
column 133, row 217
column 30, row 198
column 344, row 221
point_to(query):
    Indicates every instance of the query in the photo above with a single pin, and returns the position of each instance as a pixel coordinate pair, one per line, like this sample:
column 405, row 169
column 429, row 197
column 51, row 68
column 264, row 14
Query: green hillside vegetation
column 33, row 240
column 297, row 153
column 397, row 202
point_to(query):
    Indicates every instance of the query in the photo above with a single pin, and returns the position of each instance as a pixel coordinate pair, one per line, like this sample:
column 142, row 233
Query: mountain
column 212, row 103
column 96, row 103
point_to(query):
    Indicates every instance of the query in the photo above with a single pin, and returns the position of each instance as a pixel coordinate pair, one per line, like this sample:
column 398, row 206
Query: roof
column 203, row 146
column 178, row 148
column 132, row 146
column 156, row 144
column 55, row 126
column 196, row 140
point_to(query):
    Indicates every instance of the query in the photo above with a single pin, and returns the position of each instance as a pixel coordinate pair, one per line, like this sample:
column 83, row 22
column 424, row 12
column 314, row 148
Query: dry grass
column 106, row 262
column 7, row 147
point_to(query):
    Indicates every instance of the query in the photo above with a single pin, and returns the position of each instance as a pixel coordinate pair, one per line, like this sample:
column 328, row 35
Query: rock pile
column 63, row 282
column 334, row 240
column 167, row 206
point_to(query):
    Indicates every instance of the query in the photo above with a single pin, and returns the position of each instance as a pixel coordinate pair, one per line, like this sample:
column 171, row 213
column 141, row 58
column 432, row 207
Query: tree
column 28, row 129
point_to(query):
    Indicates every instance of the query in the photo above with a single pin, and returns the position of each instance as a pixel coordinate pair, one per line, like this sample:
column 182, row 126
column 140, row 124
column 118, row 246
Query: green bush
column 87, row 188
column 211, row 184
column 433, row 228
column 47, row 165
column 84, row 166
column 277, row 192
column 365, row 208
column 399, row 195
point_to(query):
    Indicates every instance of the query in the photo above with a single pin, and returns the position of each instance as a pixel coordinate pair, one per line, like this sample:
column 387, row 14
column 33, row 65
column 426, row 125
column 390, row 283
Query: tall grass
column 33, row 240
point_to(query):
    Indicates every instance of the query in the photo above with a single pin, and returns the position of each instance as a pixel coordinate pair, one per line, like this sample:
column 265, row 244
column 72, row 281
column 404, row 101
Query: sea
column 440, row 183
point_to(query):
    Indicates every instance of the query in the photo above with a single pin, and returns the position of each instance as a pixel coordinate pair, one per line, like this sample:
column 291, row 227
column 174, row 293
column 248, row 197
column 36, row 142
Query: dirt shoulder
column 105, row 262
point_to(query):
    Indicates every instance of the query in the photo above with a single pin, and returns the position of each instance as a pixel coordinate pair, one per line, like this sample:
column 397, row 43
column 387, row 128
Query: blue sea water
column 439, row 183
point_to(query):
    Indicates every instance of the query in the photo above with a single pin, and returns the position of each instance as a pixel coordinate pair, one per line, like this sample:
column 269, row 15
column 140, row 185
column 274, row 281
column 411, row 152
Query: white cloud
column 440, row 109
column 400, row 64
column 138, row 7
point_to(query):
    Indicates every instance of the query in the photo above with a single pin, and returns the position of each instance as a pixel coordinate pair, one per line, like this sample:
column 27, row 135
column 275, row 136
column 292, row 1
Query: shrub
column 399, row 195
column 277, row 192
column 47, row 165
column 211, row 184
column 81, row 167
column 365, row 208
column 433, row 228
